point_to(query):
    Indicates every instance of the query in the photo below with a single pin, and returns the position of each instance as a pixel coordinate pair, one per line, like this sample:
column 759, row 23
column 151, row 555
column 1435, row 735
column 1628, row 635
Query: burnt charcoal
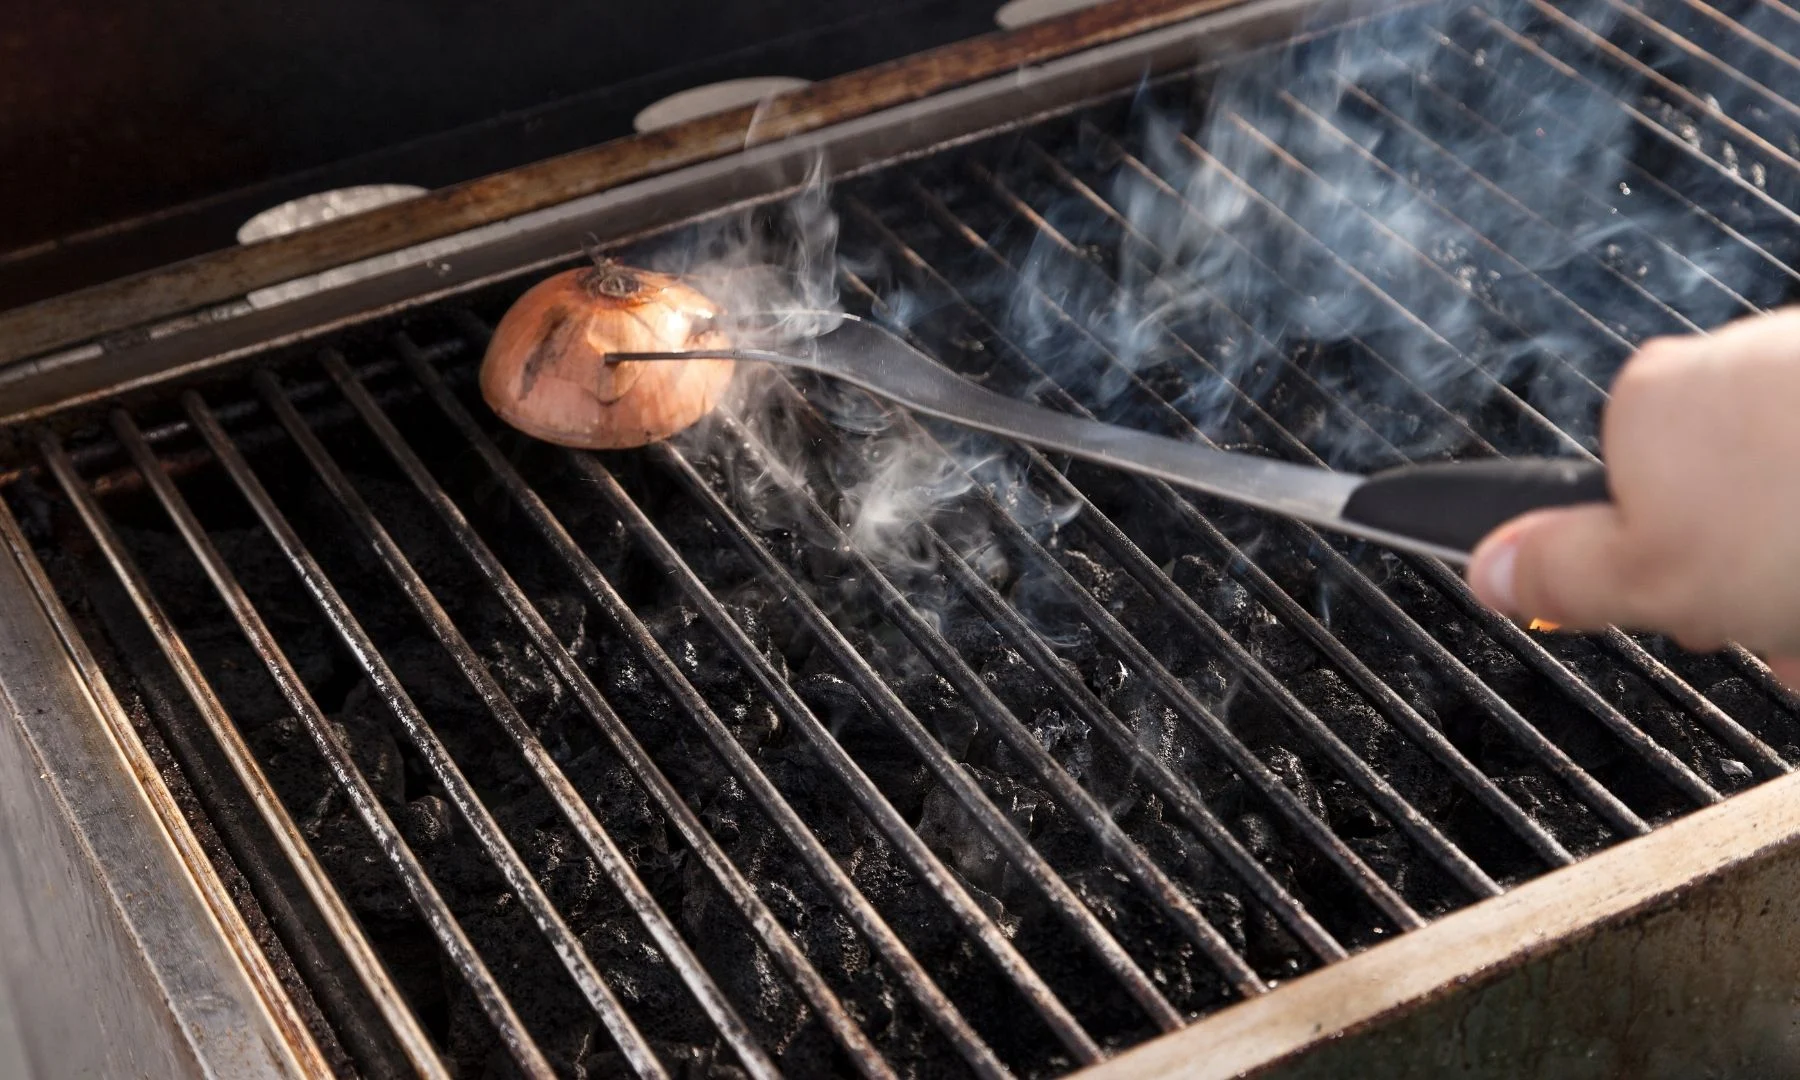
column 189, row 598
column 1267, row 638
column 1269, row 946
column 729, row 689
column 363, row 725
column 346, row 849
column 1059, row 731
column 1747, row 705
column 1225, row 911
column 1261, row 839
column 931, row 697
column 1173, row 847
column 624, row 807
column 1349, row 813
column 1286, row 765
column 952, row 832
column 1194, row 575
column 1547, row 803
column 1012, row 678
column 404, row 513
column 426, row 823
column 527, row 679
column 1099, row 580
column 624, row 677
column 569, row 875
column 833, row 700
column 1110, row 678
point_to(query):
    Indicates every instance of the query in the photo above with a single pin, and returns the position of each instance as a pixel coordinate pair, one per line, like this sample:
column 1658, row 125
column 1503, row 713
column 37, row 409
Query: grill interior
column 739, row 755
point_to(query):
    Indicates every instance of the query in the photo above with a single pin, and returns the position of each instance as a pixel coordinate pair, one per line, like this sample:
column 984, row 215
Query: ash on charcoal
column 1230, row 602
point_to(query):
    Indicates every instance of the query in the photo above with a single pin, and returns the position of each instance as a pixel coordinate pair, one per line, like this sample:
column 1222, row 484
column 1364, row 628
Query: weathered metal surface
column 1673, row 955
column 532, row 241
column 118, row 947
column 186, row 286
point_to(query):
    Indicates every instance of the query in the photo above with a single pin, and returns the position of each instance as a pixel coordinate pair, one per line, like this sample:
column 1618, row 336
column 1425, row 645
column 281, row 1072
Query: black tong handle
column 1457, row 504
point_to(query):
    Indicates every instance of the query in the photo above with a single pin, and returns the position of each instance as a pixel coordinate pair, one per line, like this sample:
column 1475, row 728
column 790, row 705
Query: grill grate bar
column 1722, row 726
column 350, row 780
column 1692, row 49
column 1669, row 767
column 343, row 925
column 1177, row 792
column 944, row 767
column 1391, row 704
column 1753, row 668
column 1744, row 33
column 436, row 757
column 1120, row 547
column 817, row 860
column 743, row 895
column 568, row 801
column 1642, row 70
column 1662, row 133
column 774, row 938
column 1672, row 769
column 1113, row 840
column 1639, row 177
column 929, row 868
column 1450, row 858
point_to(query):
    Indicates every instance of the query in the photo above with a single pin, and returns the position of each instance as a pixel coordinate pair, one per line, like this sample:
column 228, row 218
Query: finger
column 1562, row 566
column 1787, row 669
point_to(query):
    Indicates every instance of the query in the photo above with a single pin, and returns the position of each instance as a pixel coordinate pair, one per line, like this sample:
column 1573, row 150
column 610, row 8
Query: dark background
column 134, row 132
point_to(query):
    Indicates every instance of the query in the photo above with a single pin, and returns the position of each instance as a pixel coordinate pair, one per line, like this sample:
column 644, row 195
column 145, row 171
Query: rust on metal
column 225, row 275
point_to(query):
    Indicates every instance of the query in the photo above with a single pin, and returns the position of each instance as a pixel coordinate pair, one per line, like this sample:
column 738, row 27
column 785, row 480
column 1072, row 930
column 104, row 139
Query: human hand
column 1702, row 538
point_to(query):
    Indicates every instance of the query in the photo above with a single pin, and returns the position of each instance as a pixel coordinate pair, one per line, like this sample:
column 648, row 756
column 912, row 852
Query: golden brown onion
column 544, row 373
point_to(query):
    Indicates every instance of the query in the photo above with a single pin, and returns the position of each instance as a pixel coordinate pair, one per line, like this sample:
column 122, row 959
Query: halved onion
column 544, row 371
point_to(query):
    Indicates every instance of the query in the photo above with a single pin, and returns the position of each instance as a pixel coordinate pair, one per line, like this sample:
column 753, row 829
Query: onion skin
column 544, row 371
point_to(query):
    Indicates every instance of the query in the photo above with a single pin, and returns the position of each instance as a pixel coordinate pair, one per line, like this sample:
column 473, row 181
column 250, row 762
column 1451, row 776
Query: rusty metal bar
column 1423, row 833
column 780, row 945
column 1180, row 794
column 345, row 930
column 817, row 860
column 925, row 863
column 1082, row 806
column 568, row 801
column 1156, row 582
column 1390, row 703
column 1671, row 768
column 432, row 907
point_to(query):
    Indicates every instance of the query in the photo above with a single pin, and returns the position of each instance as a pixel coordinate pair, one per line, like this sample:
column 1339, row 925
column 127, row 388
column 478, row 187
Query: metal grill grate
column 548, row 762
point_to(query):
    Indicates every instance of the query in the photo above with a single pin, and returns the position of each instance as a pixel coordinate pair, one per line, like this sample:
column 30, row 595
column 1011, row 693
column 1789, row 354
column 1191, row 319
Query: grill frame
column 1514, row 930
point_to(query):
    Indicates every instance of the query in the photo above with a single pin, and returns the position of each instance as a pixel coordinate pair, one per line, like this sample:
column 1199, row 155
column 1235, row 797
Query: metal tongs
column 1438, row 510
